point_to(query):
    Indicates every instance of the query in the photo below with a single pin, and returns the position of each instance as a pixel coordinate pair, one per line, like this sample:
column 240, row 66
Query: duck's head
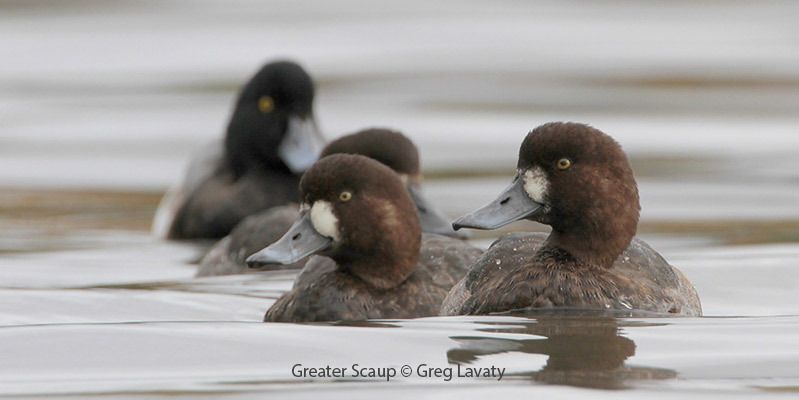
column 273, row 124
column 577, row 180
column 398, row 152
column 356, row 211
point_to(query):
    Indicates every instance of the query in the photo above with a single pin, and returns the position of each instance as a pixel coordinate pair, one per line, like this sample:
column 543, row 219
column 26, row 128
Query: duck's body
column 513, row 275
column 390, row 148
column 221, row 202
column 577, row 180
column 253, row 233
column 358, row 213
column 326, row 291
column 271, row 138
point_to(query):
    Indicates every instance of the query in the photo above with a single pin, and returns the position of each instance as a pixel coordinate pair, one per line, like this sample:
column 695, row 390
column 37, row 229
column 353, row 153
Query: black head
column 578, row 180
column 272, row 124
column 366, row 216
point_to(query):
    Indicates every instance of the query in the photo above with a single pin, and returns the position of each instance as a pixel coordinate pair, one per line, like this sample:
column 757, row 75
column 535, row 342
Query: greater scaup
column 577, row 180
column 271, row 139
column 390, row 147
column 357, row 212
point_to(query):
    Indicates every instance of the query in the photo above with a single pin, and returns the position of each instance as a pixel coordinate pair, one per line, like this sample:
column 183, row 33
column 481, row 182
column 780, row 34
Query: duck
column 271, row 138
column 360, row 224
column 388, row 146
column 576, row 179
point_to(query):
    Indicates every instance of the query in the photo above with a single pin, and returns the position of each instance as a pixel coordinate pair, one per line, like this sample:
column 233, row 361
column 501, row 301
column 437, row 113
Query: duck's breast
column 501, row 261
column 331, row 295
column 508, row 276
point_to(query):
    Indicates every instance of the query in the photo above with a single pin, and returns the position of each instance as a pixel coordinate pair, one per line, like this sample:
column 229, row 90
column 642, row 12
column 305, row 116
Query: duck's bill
column 302, row 144
column 512, row 204
column 301, row 241
column 432, row 220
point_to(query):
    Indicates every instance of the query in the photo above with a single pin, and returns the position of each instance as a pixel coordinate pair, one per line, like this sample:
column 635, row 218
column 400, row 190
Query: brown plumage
column 379, row 267
column 590, row 259
column 389, row 147
column 255, row 232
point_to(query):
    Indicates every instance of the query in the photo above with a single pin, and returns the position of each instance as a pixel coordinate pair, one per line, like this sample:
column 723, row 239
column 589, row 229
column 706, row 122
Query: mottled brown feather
column 590, row 259
column 381, row 267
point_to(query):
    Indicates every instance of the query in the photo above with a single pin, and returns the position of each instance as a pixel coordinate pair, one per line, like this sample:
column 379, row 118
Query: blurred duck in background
column 359, row 215
column 271, row 139
column 577, row 180
column 255, row 232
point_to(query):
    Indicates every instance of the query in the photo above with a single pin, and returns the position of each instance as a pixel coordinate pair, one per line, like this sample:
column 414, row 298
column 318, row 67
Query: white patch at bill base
column 536, row 184
column 323, row 219
column 404, row 178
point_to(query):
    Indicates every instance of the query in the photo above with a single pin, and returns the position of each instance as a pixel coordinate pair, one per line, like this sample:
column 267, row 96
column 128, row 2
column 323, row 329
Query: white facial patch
column 536, row 184
column 323, row 219
column 403, row 178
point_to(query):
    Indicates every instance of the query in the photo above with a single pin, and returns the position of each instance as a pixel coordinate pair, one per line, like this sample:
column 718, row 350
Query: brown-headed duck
column 271, row 139
column 577, row 180
column 255, row 232
column 357, row 213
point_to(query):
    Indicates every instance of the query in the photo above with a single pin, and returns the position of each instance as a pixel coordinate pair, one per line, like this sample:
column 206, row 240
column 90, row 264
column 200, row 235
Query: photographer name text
column 387, row 373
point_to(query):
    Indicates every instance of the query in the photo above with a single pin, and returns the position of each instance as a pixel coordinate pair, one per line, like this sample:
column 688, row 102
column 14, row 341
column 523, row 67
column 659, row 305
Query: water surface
column 101, row 104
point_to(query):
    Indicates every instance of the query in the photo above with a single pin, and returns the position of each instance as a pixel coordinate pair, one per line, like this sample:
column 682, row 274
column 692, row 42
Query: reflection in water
column 583, row 351
column 359, row 324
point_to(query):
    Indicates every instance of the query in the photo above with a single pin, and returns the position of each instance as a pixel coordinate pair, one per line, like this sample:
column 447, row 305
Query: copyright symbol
column 406, row 371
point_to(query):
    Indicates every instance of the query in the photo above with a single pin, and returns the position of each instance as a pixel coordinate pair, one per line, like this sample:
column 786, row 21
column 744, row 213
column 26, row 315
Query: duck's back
column 325, row 292
column 214, row 208
column 510, row 276
column 202, row 166
column 253, row 233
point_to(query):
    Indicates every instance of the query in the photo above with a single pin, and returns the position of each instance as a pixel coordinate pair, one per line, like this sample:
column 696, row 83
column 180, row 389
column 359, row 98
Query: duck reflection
column 583, row 351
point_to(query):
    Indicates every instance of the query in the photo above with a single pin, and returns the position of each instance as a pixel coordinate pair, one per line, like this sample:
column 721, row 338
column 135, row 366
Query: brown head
column 357, row 212
column 577, row 180
column 398, row 152
column 390, row 147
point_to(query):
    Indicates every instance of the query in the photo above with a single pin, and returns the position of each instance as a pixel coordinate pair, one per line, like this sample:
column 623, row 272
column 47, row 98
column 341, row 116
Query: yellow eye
column 345, row 196
column 564, row 164
column 266, row 104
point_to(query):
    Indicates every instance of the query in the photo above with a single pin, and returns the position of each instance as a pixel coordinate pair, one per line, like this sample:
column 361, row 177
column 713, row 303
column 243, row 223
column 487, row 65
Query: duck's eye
column 266, row 104
column 345, row 196
column 564, row 164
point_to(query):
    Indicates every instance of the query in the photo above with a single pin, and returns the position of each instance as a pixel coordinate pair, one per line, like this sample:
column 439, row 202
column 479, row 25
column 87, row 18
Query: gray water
column 102, row 103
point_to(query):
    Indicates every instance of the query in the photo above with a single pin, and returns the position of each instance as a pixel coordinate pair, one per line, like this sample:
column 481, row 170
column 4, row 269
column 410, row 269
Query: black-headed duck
column 255, row 232
column 358, row 214
column 577, row 180
column 271, row 139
